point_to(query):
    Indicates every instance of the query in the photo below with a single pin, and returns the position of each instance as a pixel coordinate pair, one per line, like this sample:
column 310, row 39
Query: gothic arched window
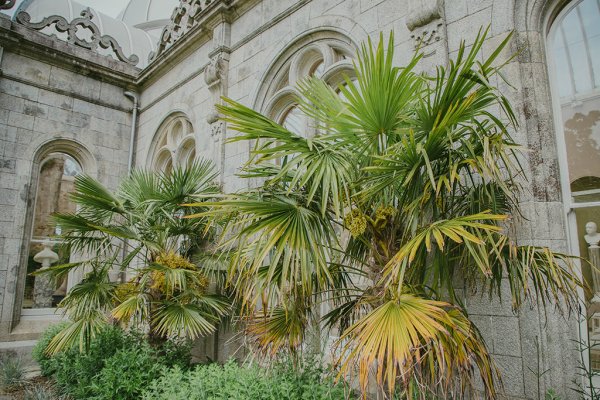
column 55, row 183
column 327, row 58
column 176, row 144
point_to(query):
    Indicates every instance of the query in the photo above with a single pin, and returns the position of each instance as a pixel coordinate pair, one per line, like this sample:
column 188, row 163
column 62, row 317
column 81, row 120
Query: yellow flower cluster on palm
column 356, row 222
column 175, row 261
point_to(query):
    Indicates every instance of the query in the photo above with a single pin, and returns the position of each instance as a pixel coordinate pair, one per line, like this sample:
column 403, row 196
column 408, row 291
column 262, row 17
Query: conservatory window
column 574, row 59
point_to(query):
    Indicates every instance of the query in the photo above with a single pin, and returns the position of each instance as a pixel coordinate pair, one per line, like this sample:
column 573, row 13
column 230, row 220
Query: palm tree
column 140, row 230
column 410, row 186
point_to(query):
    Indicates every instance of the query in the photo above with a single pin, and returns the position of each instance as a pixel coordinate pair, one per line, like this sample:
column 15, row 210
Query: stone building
column 81, row 91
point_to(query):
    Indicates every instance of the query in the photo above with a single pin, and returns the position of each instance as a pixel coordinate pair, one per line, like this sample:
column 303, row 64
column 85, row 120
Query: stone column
column 43, row 287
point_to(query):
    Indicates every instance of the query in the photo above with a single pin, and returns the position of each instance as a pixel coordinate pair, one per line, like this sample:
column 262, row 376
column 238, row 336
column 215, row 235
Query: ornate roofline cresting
column 85, row 23
column 184, row 18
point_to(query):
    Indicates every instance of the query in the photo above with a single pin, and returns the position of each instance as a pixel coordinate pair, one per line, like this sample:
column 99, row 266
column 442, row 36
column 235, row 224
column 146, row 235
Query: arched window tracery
column 326, row 58
column 176, row 144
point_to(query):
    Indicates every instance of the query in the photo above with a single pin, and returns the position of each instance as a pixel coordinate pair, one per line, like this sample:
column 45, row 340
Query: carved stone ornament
column 7, row 4
column 216, row 130
column 425, row 21
column 215, row 74
column 214, row 70
column 184, row 18
column 83, row 23
column 431, row 34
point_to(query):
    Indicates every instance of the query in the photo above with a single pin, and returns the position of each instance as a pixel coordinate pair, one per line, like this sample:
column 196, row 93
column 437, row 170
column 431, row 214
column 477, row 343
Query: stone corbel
column 215, row 77
column 425, row 21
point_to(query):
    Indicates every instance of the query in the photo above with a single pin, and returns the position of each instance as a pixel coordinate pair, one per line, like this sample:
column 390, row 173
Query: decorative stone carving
column 215, row 74
column 425, row 21
column 84, row 23
column 216, row 129
column 422, row 12
column 425, row 37
column 7, row 4
column 214, row 71
column 184, row 18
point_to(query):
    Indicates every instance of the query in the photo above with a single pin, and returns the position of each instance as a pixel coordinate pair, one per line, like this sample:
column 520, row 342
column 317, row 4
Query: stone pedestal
column 43, row 287
column 594, row 257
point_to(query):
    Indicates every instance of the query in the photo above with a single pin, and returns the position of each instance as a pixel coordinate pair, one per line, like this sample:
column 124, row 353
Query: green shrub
column 176, row 352
column 127, row 373
column 232, row 382
column 118, row 365
column 75, row 372
column 47, row 365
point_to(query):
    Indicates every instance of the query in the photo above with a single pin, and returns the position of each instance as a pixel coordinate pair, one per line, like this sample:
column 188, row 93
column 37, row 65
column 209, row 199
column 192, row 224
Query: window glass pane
column 295, row 121
column 581, row 123
column 580, row 114
column 318, row 69
column 562, row 70
column 590, row 13
column 581, row 71
column 588, row 221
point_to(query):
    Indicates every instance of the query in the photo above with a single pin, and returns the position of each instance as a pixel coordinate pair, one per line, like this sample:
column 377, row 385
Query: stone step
column 21, row 349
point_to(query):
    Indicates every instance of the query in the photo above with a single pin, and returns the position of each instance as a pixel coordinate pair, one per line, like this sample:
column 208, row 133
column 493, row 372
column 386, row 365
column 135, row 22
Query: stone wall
column 49, row 105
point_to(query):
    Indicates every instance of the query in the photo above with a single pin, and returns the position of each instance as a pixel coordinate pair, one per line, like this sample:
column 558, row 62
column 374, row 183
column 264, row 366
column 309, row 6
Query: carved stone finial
column 7, row 4
column 84, row 22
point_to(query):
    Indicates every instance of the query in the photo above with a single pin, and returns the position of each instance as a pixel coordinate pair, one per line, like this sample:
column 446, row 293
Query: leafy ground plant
column 115, row 366
column 234, row 382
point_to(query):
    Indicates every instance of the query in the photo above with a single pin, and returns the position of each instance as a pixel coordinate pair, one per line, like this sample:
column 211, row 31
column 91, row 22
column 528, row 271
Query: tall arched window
column 574, row 60
column 328, row 56
column 55, row 183
column 175, row 145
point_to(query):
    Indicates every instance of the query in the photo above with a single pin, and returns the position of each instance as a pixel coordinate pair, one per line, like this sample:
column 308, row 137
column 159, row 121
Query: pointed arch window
column 326, row 58
column 176, row 145
column 55, row 183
